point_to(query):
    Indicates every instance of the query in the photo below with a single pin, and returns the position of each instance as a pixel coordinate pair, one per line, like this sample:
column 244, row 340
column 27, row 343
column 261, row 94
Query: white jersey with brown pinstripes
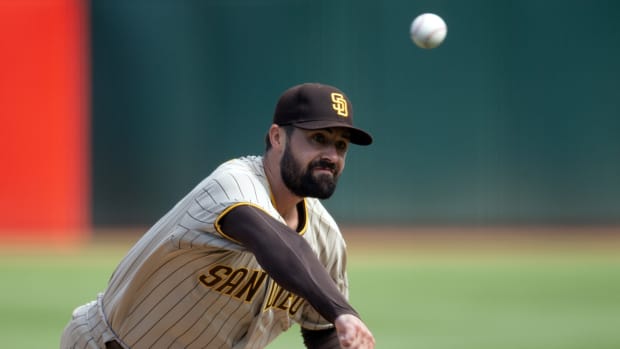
column 185, row 285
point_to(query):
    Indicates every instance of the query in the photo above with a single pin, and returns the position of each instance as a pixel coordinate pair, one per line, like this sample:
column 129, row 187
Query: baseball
column 428, row 30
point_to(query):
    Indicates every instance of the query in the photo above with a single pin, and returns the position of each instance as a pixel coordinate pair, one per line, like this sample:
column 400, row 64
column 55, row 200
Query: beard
column 302, row 182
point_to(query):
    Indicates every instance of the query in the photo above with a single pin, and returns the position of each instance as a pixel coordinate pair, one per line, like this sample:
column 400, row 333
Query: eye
column 342, row 145
column 319, row 138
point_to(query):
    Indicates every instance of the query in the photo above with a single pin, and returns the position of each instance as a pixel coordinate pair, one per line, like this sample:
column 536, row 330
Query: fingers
column 353, row 333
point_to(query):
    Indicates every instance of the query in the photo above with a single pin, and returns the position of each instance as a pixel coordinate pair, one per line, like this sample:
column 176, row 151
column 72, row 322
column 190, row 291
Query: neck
column 284, row 200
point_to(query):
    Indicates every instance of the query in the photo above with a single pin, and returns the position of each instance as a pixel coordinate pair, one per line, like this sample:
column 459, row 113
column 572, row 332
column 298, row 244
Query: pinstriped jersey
column 185, row 285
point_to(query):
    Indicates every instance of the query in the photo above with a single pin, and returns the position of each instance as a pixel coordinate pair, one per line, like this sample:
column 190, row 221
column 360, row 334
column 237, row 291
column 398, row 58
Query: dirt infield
column 366, row 239
column 363, row 240
column 444, row 238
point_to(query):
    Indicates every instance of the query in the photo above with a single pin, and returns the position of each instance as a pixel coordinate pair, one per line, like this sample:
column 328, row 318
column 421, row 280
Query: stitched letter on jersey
column 243, row 284
column 238, row 283
column 281, row 299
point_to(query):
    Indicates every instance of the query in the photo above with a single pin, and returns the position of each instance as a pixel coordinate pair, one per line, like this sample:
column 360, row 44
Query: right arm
column 286, row 257
column 290, row 261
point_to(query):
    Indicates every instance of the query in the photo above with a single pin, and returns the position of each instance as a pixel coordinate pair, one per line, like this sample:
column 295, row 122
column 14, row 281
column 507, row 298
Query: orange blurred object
column 44, row 119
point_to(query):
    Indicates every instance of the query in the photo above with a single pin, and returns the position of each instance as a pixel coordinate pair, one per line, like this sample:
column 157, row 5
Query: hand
column 353, row 333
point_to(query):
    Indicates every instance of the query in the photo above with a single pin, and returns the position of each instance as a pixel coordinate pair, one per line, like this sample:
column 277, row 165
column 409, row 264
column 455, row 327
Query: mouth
column 331, row 171
column 322, row 167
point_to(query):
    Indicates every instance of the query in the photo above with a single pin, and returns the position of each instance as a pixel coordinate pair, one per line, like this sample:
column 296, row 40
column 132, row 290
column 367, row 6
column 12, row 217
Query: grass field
column 414, row 292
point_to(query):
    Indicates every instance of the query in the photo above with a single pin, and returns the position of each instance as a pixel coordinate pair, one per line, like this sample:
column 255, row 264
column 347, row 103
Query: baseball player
column 247, row 253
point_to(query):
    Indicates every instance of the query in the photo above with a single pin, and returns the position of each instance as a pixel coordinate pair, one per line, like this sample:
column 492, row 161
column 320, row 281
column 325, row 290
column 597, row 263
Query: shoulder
column 238, row 177
column 236, row 181
column 247, row 165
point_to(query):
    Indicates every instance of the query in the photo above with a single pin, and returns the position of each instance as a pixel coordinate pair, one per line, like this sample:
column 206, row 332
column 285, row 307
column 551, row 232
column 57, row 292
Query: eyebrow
column 345, row 133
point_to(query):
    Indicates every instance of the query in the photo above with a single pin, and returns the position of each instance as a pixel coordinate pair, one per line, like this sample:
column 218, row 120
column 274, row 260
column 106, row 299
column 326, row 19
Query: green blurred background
column 513, row 120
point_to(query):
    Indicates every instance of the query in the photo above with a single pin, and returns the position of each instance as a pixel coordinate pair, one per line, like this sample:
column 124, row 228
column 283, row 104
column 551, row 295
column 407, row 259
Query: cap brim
column 358, row 136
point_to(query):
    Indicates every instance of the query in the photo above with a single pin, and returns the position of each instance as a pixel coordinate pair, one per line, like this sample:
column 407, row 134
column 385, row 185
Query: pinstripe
column 251, row 182
column 191, row 241
column 222, row 188
column 85, row 330
column 229, row 300
column 155, row 289
column 204, row 206
column 217, row 331
column 196, row 218
column 99, row 337
column 89, row 317
column 205, row 320
column 198, row 323
column 164, row 315
column 210, row 323
column 187, row 314
column 88, row 342
column 182, row 237
column 237, row 182
column 132, row 264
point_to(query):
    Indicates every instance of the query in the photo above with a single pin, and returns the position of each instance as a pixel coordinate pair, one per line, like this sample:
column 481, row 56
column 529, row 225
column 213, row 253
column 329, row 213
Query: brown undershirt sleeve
column 323, row 339
column 287, row 258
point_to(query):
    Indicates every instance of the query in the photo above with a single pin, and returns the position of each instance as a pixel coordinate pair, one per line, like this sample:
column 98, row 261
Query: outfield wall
column 514, row 119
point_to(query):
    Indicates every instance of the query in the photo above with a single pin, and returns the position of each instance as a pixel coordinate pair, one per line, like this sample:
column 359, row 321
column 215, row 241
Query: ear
column 277, row 136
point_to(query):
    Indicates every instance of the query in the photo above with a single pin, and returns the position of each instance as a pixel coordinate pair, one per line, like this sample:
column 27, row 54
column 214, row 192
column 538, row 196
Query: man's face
column 313, row 161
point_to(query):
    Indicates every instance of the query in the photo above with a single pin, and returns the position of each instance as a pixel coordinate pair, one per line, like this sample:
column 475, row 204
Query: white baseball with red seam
column 428, row 30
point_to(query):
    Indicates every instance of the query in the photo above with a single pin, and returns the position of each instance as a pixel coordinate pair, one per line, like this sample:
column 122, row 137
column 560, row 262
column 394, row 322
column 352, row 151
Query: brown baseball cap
column 313, row 106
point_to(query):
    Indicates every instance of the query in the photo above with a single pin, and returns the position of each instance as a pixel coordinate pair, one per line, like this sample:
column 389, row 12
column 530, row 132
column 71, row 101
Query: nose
column 331, row 153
